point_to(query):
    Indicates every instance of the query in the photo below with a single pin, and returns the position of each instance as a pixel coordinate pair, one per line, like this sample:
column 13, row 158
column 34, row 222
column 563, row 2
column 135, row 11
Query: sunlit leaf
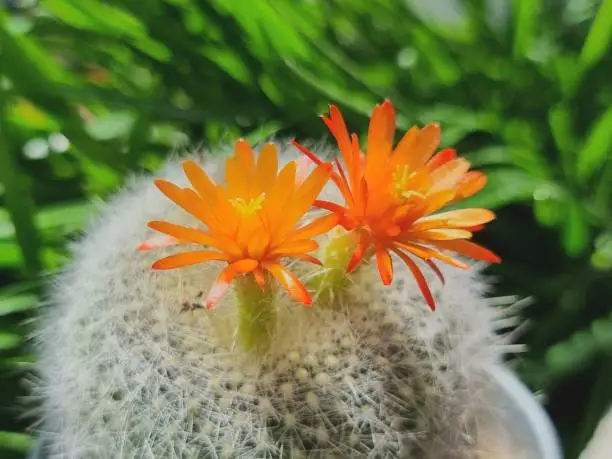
column 599, row 37
column 575, row 234
column 9, row 340
column 18, row 303
column 14, row 441
column 597, row 148
column 526, row 21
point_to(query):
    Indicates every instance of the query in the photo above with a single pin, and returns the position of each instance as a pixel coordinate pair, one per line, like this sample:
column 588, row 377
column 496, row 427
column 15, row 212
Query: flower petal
column 157, row 242
column 220, row 286
column 360, row 250
column 436, row 270
column 469, row 249
column 179, row 196
column 442, row 234
column 195, row 235
column 419, row 277
column 316, row 227
column 290, row 282
column 427, row 253
column 461, row 218
column 182, row 259
column 448, row 175
column 385, row 265
column 200, row 180
column 307, row 258
column 441, row 158
column 295, row 247
column 267, row 168
column 281, row 191
column 304, row 197
column 405, row 147
column 380, row 140
column 470, row 184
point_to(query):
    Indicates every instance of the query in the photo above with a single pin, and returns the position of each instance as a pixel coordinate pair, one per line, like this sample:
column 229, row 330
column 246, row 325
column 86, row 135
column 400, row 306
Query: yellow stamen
column 246, row 208
column 400, row 182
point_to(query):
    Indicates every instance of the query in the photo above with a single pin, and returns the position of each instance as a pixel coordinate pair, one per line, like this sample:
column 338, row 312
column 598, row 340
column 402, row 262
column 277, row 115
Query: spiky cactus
column 132, row 367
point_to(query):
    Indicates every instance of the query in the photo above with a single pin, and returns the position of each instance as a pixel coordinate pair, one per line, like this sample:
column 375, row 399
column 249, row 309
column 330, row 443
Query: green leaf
column 560, row 122
column 10, row 255
column 18, row 201
column 18, row 303
column 9, row 341
column 597, row 148
column 263, row 133
column 526, row 23
column 602, row 256
column 15, row 441
column 96, row 16
column 504, row 187
column 575, row 234
column 599, row 37
column 488, row 156
column 111, row 126
column 549, row 204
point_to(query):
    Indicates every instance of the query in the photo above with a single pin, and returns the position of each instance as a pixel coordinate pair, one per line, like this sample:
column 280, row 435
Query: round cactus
column 132, row 365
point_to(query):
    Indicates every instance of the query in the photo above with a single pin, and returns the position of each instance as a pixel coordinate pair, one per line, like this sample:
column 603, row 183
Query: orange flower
column 391, row 196
column 250, row 222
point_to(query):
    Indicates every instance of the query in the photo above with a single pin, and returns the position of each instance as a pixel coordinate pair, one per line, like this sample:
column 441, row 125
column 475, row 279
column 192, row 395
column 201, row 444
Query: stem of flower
column 257, row 313
column 330, row 283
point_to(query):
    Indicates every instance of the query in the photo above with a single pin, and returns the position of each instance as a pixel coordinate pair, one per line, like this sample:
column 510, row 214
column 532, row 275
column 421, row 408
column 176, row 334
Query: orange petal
column 307, row 258
column 290, row 282
column 385, row 265
column 471, row 183
column 443, row 234
column 246, row 265
column 438, row 200
column 316, row 227
column 461, row 218
column 258, row 243
column 362, row 203
column 336, row 125
column 184, row 233
column 405, row 147
column 427, row 253
column 260, row 278
column 267, row 168
column 380, row 140
column 436, row 270
column 200, row 180
column 424, row 146
column 304, row 197
column 158, row 242
column 469, row 249
column 178, row 195
column 281, row 191
column 220, row 286
column 419, row 277
column 246, row 161
column 441, row 158
column 360, row 250
column 295, row 247
column 448, row 175
column 182, row 259
column 340, row 182
column 309, row 154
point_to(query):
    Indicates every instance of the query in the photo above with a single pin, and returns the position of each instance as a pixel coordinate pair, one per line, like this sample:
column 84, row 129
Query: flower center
column 400, row 183
column 246, row 208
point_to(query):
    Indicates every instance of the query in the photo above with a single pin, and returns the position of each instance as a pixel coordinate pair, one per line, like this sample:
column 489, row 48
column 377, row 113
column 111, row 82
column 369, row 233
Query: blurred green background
column 92, row 91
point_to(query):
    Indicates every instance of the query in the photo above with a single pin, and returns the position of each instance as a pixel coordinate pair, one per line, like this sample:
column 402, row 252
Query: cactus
column 131, row 366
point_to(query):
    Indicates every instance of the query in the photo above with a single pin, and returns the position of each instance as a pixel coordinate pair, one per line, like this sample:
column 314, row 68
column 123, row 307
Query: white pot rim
column 531, row 412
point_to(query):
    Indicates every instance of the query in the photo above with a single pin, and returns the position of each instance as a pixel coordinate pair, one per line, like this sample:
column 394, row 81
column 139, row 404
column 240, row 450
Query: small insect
column 192, row 305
